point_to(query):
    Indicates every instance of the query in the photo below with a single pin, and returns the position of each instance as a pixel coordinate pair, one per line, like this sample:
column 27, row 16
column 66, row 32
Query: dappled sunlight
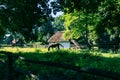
column 106, row 55
column 58, row 39
column 75, row 51
column 111, row 55
column 18, row 49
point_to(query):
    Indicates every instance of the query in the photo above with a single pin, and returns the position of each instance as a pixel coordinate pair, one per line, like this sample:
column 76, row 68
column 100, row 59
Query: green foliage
column 22, row 16
column 96, row 20
column 44, row 32
column 59, row 23
column 79, row 25
column 109, row 11
column 72, row 25
column 68, row 20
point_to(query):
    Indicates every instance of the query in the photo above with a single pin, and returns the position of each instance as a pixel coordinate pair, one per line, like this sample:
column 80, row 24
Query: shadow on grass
column 82, row 59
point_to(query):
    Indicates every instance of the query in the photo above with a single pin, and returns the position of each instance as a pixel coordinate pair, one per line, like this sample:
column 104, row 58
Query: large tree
column 108, row 29
column 82, row 15
column 22, row 15
column 95, row 19
column 59, row 24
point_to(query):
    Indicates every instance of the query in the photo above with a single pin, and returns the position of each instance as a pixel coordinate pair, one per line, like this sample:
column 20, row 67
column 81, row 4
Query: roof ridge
column 57, row 37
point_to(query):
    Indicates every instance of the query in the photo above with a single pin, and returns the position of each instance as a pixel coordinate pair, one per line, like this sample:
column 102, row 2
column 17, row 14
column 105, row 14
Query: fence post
column 10, row 67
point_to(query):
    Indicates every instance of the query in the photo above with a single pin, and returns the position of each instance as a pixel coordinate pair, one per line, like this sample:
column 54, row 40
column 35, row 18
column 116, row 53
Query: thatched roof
column 57, row 37
column 75, row 42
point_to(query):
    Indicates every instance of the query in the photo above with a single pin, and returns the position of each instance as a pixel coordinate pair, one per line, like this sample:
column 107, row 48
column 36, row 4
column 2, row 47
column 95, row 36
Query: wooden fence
column 93, row 71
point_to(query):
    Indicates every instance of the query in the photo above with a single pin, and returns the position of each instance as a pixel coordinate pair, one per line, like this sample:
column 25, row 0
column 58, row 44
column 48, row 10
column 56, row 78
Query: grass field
column 44, row 50
column 83, row 58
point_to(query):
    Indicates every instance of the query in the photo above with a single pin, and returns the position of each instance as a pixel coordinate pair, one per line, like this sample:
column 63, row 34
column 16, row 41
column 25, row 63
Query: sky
column 57, row 14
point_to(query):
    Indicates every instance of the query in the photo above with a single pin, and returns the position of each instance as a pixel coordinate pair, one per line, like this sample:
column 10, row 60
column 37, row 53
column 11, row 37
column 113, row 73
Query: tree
column 79, row 26
column 108, row 29
column 84, row 11
column 59, row 23
column 88, row 17
column 22, row 15
column 44, row 32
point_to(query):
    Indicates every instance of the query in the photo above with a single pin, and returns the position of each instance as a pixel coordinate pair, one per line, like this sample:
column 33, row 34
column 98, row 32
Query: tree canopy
column 23, row 15
column 96, row 20
column 59, row 24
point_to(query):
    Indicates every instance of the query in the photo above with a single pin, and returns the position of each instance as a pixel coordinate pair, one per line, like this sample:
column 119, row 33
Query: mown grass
column 81, row 58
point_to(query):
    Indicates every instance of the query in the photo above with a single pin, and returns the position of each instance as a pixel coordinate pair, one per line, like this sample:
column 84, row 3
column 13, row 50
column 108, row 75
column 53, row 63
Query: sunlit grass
column 107, row 55
column 18, row 49
column 44, row 50
column 110, row 55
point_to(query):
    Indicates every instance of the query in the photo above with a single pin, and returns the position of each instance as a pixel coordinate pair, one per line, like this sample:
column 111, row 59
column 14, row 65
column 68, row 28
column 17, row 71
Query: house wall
column 66, row 44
